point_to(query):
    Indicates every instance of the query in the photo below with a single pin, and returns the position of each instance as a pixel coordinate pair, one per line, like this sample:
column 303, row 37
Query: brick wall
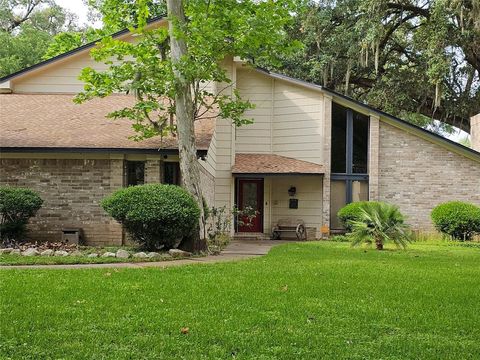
column 71, row 190
column 416, row 175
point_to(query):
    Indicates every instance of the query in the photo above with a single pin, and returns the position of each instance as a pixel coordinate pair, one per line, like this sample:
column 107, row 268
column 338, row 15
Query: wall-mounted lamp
column 292, row 191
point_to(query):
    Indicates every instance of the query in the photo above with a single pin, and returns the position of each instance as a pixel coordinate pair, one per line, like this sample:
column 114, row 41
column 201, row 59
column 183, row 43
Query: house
column 309, row 152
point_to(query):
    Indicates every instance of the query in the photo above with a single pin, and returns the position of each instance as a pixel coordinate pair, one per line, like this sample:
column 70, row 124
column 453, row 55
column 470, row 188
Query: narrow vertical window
column 134, row 173
column 171, row 173
column 349, row 160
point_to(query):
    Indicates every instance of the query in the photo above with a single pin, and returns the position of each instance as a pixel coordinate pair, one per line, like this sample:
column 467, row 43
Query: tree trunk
column 189, row 166
column 379, row 244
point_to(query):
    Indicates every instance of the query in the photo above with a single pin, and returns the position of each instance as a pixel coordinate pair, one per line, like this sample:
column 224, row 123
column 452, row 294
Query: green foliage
column 411, row 58
column 378, row 223
column 26, row 30
column 155, row 215
column 17, row 206
column 458, row 219
column 349, row 213
column 214, row 31
column 339, row 238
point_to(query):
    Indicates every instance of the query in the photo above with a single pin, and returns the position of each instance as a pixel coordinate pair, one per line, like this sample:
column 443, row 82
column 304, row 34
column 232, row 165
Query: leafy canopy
column 26, row 30
column 213, row 32
column 416, row 59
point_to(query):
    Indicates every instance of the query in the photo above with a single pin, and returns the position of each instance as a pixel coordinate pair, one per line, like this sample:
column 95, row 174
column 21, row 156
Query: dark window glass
column 171, row 173
column 360, row 143
column 339, row 139
column 135, row 173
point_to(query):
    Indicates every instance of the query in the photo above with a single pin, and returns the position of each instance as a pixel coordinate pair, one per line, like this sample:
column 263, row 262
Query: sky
column 80, row 9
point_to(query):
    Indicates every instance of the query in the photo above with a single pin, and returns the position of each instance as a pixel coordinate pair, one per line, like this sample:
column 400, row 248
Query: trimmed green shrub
column 17, row 206
column 350, row 212
column 458, row 219
column 155, row 215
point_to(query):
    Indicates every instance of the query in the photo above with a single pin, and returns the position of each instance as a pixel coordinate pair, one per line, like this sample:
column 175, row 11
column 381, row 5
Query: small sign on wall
column 293, row 204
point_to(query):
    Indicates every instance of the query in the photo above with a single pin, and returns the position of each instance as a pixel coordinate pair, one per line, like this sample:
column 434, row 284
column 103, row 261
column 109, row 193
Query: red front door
column 250, row 195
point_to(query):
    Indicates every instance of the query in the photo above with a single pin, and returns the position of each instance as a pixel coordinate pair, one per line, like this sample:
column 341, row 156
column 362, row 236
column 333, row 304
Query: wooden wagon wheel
column 300, row 232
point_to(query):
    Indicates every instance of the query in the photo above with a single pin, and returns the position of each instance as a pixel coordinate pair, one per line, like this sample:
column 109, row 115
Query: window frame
column 349, row 176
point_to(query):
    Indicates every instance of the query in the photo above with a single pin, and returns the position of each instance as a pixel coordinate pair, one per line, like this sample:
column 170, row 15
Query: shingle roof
column 54, row 121
column 274, row 165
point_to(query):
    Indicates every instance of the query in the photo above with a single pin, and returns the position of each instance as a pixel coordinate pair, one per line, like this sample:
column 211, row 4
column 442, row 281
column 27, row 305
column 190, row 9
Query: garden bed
column 59, row 253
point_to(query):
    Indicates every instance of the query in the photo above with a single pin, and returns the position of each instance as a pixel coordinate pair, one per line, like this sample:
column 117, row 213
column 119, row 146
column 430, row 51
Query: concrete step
column 251, row 236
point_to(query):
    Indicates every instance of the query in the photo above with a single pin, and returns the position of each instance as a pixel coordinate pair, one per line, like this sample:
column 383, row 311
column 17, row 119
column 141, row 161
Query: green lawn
column 302, row 301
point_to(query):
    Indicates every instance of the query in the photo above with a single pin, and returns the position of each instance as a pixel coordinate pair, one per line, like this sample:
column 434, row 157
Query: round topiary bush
column 155, row 215
column 17, row 206
column 350, row 212
column 458, row 219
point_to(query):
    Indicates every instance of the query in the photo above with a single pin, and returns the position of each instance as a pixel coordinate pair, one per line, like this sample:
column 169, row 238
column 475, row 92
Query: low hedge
column 155, row 215
column 17, row 206
column 458, row 219
column 349, row 213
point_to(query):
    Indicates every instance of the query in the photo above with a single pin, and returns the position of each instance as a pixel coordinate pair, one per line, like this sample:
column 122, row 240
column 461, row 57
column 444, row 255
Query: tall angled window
column 349, row 159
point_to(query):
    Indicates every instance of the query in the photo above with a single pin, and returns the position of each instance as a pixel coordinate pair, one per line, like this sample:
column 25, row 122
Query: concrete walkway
column 236, row 250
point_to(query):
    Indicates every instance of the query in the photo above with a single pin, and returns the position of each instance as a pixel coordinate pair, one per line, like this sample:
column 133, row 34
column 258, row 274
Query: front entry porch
column 291, row 191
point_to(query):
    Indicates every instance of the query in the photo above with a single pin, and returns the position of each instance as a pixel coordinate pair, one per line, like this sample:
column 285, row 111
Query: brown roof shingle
column 53, row 120
column 273, row 164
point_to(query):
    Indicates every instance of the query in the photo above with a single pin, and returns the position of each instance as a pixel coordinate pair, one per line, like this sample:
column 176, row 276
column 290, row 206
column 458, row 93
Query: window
column 360, row 144
column 339, row 139
column 134, row 173
column 349, row 160
column 171, row 173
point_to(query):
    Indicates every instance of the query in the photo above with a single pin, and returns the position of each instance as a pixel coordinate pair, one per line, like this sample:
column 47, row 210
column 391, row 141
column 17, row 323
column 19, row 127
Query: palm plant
column 380, row 222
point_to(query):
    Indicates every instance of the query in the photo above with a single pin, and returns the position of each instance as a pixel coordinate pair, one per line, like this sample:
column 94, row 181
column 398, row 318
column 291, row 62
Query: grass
column 302, row 301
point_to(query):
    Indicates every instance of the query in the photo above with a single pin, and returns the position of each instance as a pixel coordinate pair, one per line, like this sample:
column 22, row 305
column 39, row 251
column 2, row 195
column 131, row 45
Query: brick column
column 327, row 118
column 115, row 231
column 152, row 170
column 373, row 158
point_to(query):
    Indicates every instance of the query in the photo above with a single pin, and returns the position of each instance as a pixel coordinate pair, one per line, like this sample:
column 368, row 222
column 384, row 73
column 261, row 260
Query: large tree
column 418, row 59
column 169, row 69
column 26, row 30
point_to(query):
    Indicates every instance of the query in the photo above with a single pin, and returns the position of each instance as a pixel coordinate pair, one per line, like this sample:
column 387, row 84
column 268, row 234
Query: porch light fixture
column 292, row 191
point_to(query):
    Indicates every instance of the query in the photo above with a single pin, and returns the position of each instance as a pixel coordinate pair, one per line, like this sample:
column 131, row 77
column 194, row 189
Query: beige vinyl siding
column 309, row 195
column 210, row 162
column 258, row 89
column 225, row 148
column 60, row 78
column 298, row 122
column 288, row 119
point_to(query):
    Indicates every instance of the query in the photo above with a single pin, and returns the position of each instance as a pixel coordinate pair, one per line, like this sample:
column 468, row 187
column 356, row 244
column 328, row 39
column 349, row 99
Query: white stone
column 6, row 251
column 123, row 254
column 108, row 254
column 30, row 252
column 92, row 255
column 48, row 252
column 60, row 253
column 179, row 253
column 140, row 255
column 15, row 252
column 76, row 253
column 152, row 254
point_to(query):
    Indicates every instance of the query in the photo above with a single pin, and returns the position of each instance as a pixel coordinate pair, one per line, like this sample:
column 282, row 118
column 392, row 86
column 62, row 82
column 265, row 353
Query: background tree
column 416, row 59
column 26, row 30
column 168, row 70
